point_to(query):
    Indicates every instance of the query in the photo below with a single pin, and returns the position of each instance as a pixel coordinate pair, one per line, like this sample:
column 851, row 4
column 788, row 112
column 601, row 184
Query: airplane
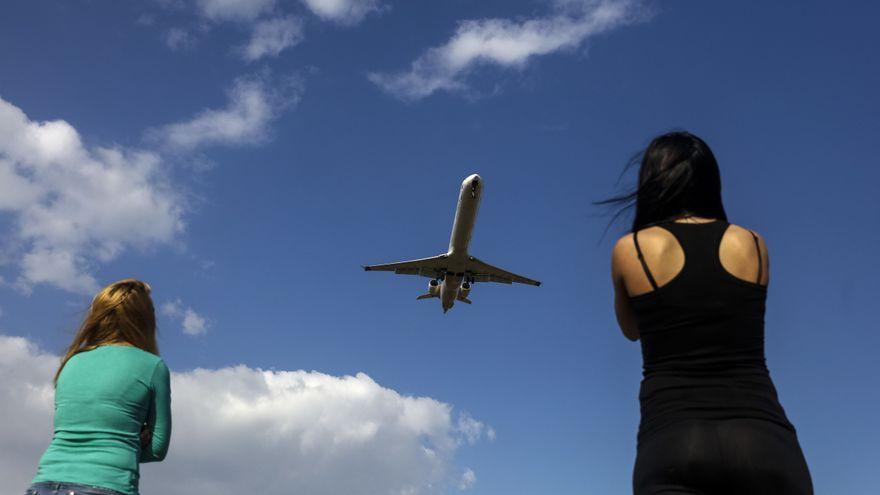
column 453, row 273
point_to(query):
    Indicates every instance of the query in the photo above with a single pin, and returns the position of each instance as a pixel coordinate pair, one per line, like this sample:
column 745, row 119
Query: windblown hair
column 678, row 177
column 122, row 312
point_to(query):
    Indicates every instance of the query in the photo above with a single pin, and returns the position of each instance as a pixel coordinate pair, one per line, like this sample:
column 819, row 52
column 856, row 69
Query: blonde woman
column 112, row 399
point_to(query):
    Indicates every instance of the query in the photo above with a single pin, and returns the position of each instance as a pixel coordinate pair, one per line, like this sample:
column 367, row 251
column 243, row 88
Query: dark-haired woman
column 692, row 287
column 112, row 399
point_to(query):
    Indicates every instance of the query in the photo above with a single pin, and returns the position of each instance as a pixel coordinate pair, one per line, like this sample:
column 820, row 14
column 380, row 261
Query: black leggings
column 720, row 457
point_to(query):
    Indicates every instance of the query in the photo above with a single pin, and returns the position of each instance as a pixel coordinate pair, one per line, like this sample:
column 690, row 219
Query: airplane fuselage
column 462, row 228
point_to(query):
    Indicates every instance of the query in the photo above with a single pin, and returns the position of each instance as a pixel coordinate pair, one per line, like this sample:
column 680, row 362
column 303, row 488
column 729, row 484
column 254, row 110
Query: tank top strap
column 699, row 242
column 642, row 260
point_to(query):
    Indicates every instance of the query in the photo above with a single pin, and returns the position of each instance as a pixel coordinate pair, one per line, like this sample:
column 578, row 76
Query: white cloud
column 346, row 12
column 73, row 205
column 59, row 267
column 234, row 10
column 26, row 408
column 271, row 37
column 506, row 43
column 245, row 120
column 191, row 322
column 242, row 430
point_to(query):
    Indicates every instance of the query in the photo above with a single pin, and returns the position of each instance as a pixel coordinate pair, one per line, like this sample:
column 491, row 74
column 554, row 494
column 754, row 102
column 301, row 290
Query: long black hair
column 678, row 177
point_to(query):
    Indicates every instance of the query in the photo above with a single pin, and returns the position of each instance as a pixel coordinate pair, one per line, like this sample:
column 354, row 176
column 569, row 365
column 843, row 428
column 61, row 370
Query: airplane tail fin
column 426, row 296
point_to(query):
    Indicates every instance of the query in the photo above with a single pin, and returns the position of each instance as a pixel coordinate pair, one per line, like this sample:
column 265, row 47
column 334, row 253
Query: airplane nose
column 471, row 179
column 475, row 185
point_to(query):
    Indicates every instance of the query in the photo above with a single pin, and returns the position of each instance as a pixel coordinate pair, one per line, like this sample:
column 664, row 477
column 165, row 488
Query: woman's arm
column 159, row 421
column 622, row 309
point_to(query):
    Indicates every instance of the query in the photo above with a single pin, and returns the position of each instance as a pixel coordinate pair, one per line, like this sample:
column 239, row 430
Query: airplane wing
column 484, row 272
column 431, row 267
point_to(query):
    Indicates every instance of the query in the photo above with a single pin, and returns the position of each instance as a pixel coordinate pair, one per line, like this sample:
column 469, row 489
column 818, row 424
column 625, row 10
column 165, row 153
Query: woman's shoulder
column 743, row 234
column 130, row 361
column 129, row 353
column 652, row 236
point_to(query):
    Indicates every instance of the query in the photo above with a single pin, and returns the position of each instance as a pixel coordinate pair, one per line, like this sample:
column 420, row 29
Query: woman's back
column 102, row 400
column 702, row 338
column 706, row 388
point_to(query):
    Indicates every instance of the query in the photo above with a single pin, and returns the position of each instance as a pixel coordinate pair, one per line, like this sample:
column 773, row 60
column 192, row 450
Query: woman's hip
column 722, row 456
column 62, row 488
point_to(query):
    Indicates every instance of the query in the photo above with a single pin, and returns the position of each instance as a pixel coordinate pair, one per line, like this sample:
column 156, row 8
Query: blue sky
column 269, row 225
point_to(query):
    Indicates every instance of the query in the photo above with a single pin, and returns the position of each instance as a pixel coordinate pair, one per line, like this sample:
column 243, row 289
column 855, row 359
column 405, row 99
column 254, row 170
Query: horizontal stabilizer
column 464, row 300
column 426, row 296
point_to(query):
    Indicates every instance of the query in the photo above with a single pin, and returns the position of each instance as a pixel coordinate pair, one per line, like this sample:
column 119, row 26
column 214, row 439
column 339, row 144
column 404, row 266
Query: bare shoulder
column 650, row 240
column 623, row 246
column 739, row 256
column 742, row 237
column 622, row 251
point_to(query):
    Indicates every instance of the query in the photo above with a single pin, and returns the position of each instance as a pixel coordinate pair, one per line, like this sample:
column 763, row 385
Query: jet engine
column 434, row 287
column 464, row 290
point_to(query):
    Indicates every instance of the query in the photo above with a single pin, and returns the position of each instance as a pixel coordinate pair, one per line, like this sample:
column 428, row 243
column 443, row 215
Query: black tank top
column 702, row 338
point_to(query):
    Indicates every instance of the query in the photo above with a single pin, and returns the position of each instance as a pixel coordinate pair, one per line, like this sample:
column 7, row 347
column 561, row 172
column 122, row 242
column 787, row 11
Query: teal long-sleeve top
column 102, row 399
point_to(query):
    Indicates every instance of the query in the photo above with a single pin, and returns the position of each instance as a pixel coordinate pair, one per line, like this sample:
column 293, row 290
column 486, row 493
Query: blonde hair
column 122, row 312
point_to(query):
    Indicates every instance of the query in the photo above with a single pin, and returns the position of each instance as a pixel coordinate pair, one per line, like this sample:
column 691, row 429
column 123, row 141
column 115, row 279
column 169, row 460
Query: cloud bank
column 506, row 43
column 26, row 408
column 244, row 430
column 72, row 205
